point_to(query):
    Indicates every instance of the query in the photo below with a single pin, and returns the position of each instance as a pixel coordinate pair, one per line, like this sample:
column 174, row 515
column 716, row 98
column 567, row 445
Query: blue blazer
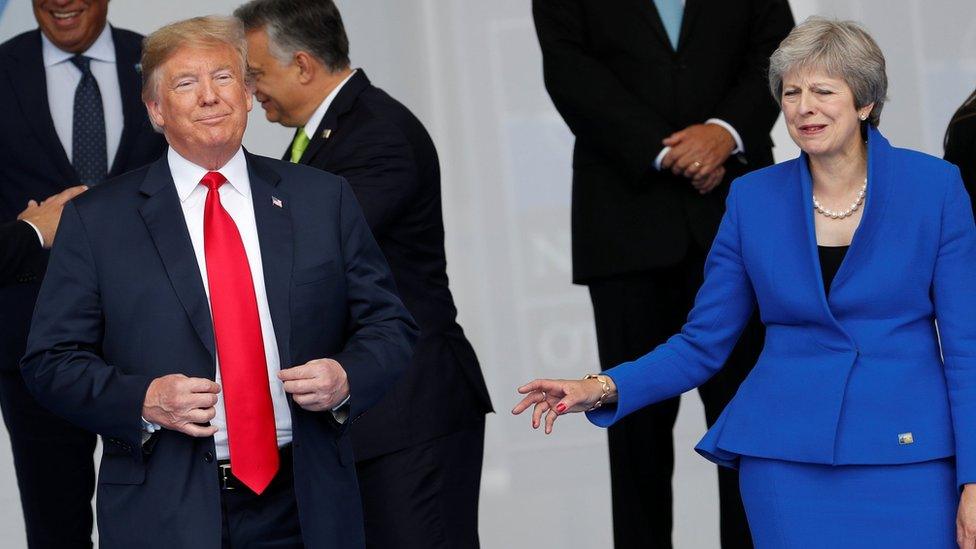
column 854, row 379
column 123, row 303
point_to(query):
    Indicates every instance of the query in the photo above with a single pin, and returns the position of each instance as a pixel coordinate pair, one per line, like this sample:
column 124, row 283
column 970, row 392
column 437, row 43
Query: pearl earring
column 863, row 117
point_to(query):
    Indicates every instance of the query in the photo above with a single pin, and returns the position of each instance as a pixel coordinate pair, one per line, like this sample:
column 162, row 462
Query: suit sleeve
column 383, row 174
column 954, row 296
column 960, row 149
column 381, row 333
column 63, row 368
column 21, row 255
column 581, row 87
column 748, row 106
column 722, row 309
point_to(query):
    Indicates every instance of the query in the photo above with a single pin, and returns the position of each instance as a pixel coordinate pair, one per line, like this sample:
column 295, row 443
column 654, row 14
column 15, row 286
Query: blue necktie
column 671, row 12
column 88, row 153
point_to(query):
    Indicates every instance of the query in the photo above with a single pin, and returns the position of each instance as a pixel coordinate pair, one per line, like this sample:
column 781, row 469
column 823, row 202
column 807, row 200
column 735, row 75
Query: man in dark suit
column 668, row 101
column 22, row 242
column 72, row 116
column 419, row 451
column 220, row 318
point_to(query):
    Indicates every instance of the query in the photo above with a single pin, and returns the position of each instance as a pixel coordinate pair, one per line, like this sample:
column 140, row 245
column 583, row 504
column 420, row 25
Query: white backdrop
column 472, row 72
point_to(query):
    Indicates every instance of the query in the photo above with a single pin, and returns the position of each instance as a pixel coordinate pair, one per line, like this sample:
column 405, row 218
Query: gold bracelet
column 605, row 384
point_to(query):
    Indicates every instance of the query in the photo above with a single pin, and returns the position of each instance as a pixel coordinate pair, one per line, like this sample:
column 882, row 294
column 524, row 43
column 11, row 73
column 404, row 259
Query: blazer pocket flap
column 121, row 469
column 309, row 275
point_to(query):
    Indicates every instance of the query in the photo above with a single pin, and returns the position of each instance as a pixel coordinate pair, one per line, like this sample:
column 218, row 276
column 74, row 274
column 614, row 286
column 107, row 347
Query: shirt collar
column 103, row 49
column 187, row 175
column 319, row 114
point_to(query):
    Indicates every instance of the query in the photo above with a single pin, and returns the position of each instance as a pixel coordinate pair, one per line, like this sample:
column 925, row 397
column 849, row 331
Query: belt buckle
column 225, row 475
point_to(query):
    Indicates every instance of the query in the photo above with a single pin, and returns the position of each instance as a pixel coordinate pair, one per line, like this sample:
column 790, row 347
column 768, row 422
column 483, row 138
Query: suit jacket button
column 208, row 457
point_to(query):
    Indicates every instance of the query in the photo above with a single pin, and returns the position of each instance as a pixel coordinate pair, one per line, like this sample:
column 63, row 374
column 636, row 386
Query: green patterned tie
column 298, row 145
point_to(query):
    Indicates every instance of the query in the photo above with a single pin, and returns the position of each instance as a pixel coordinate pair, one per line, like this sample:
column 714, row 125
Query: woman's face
column 820, row 114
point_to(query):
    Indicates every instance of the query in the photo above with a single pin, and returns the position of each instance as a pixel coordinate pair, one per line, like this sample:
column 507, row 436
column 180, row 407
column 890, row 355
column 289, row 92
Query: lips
column 212, row 119
column 65, row 14
column 812, row 129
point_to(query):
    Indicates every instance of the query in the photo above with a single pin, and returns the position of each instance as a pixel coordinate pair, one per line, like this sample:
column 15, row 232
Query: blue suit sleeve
column 954, row 296
column 722, row 309
column 381, row 333
column 63, row 368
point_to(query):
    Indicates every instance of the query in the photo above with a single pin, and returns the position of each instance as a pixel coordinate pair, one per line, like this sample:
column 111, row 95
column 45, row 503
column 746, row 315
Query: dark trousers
column 425, row 496
column 55, row 469
column 634, row 314
column 266, row 521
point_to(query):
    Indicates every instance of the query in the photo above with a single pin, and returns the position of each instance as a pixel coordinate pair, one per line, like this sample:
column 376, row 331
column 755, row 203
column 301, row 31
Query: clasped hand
column 317, row 385
column 699, row 152
column 554, row 397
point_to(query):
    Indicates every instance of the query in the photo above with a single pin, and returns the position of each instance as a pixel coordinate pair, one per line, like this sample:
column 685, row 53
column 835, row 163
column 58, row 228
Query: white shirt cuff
column 739, row 147
column 341, row 412
column 660, row 158
column 40, row 237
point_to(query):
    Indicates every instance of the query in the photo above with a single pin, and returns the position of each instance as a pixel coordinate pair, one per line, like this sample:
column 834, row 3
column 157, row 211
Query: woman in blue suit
column 855, row 428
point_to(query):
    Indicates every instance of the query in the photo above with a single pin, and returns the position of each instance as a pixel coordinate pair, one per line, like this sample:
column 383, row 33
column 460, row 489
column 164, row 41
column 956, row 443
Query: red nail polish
column 561, row 408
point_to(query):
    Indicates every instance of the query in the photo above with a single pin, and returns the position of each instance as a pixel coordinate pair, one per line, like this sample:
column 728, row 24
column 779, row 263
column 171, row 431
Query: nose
column 208, row 93
column 806, row 103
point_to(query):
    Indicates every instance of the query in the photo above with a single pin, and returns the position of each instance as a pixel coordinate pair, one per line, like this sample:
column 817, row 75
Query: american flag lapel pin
column 277, row 202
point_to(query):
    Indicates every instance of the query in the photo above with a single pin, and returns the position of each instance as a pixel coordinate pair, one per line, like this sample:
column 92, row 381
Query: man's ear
column 306, row 67
column 155, row 114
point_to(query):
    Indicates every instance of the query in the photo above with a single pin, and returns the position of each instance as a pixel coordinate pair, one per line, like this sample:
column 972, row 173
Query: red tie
column 240, row 347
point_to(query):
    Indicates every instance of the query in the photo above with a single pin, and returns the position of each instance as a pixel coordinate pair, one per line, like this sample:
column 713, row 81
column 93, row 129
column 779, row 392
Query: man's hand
column 182, row 404
column 704, row 185
column 697, row 150
column 317, row 385
column 46, row 215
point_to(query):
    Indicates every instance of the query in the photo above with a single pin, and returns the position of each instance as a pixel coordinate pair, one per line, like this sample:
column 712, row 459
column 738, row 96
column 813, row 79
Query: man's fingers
column 200, row 415
column 674, row 138
column 195, row 430
column 302, row 386
column 70, row 193
column 304, row 371
column 201, row 400
column 202, row 385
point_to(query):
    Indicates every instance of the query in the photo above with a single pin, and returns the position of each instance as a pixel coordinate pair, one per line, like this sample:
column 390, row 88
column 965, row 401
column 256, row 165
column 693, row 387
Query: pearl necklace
column 846, row 213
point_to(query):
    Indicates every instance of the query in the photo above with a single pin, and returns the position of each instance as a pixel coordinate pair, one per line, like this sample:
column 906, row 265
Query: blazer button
column 208, row 457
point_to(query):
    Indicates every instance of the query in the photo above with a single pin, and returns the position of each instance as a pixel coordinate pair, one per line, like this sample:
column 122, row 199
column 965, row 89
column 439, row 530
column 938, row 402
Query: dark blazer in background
column 21, row 253
column 390, row 162
column 123, row 303
column 419, row 452
column 960, row 144
column 639, row 236
column 33, row 165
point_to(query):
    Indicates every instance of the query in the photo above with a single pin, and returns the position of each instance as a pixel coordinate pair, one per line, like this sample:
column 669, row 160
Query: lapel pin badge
column 326, row 133
column 905, row 438
column 276, row 201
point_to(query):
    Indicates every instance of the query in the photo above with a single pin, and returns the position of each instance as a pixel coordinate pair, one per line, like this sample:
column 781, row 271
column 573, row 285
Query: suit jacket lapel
column 163, row 216
column 692, row 9
column 649, row 11
column 875, row 202
column 325, row 134
column 29, row 81
column 133, row 111
column 272, row 214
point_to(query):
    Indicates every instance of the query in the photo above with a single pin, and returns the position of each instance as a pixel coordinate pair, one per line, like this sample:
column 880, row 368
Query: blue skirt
column 805, row 506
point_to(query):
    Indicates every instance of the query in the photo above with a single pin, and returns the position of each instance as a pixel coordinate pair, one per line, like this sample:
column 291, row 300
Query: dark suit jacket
column 33, row 164
column 960, row 144
column 390, row 162
column 621, row 88
column 123, row 303
column 21, row 253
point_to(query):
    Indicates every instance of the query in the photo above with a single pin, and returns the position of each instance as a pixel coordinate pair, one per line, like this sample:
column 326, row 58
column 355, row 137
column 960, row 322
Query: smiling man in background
column 72, row 115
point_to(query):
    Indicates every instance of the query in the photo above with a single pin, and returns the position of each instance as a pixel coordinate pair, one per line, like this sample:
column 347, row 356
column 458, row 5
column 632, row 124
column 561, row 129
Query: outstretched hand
column 554, row 397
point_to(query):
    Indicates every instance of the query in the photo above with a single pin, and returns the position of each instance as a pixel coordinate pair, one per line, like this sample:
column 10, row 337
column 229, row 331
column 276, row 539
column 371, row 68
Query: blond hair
column 207, row 31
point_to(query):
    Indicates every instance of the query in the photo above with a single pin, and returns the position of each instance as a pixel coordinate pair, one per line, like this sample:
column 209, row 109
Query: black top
column 830, row 259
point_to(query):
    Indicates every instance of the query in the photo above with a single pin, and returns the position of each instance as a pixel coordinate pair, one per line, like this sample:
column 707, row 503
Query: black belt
column 227, row 480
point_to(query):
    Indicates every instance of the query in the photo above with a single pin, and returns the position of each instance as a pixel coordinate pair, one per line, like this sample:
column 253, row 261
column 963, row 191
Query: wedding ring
column 696, row 164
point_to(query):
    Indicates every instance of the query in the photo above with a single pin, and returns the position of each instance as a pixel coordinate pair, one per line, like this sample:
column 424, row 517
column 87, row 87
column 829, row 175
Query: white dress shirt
column 235, row 197
column 319, row 114
column 63, row 78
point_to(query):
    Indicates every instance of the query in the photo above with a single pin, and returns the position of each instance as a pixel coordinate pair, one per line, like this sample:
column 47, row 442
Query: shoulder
column 25, row 40
column 127, row 43
column 381, row 117
column 304, row 180
column 917, row 169
column 113, row 192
